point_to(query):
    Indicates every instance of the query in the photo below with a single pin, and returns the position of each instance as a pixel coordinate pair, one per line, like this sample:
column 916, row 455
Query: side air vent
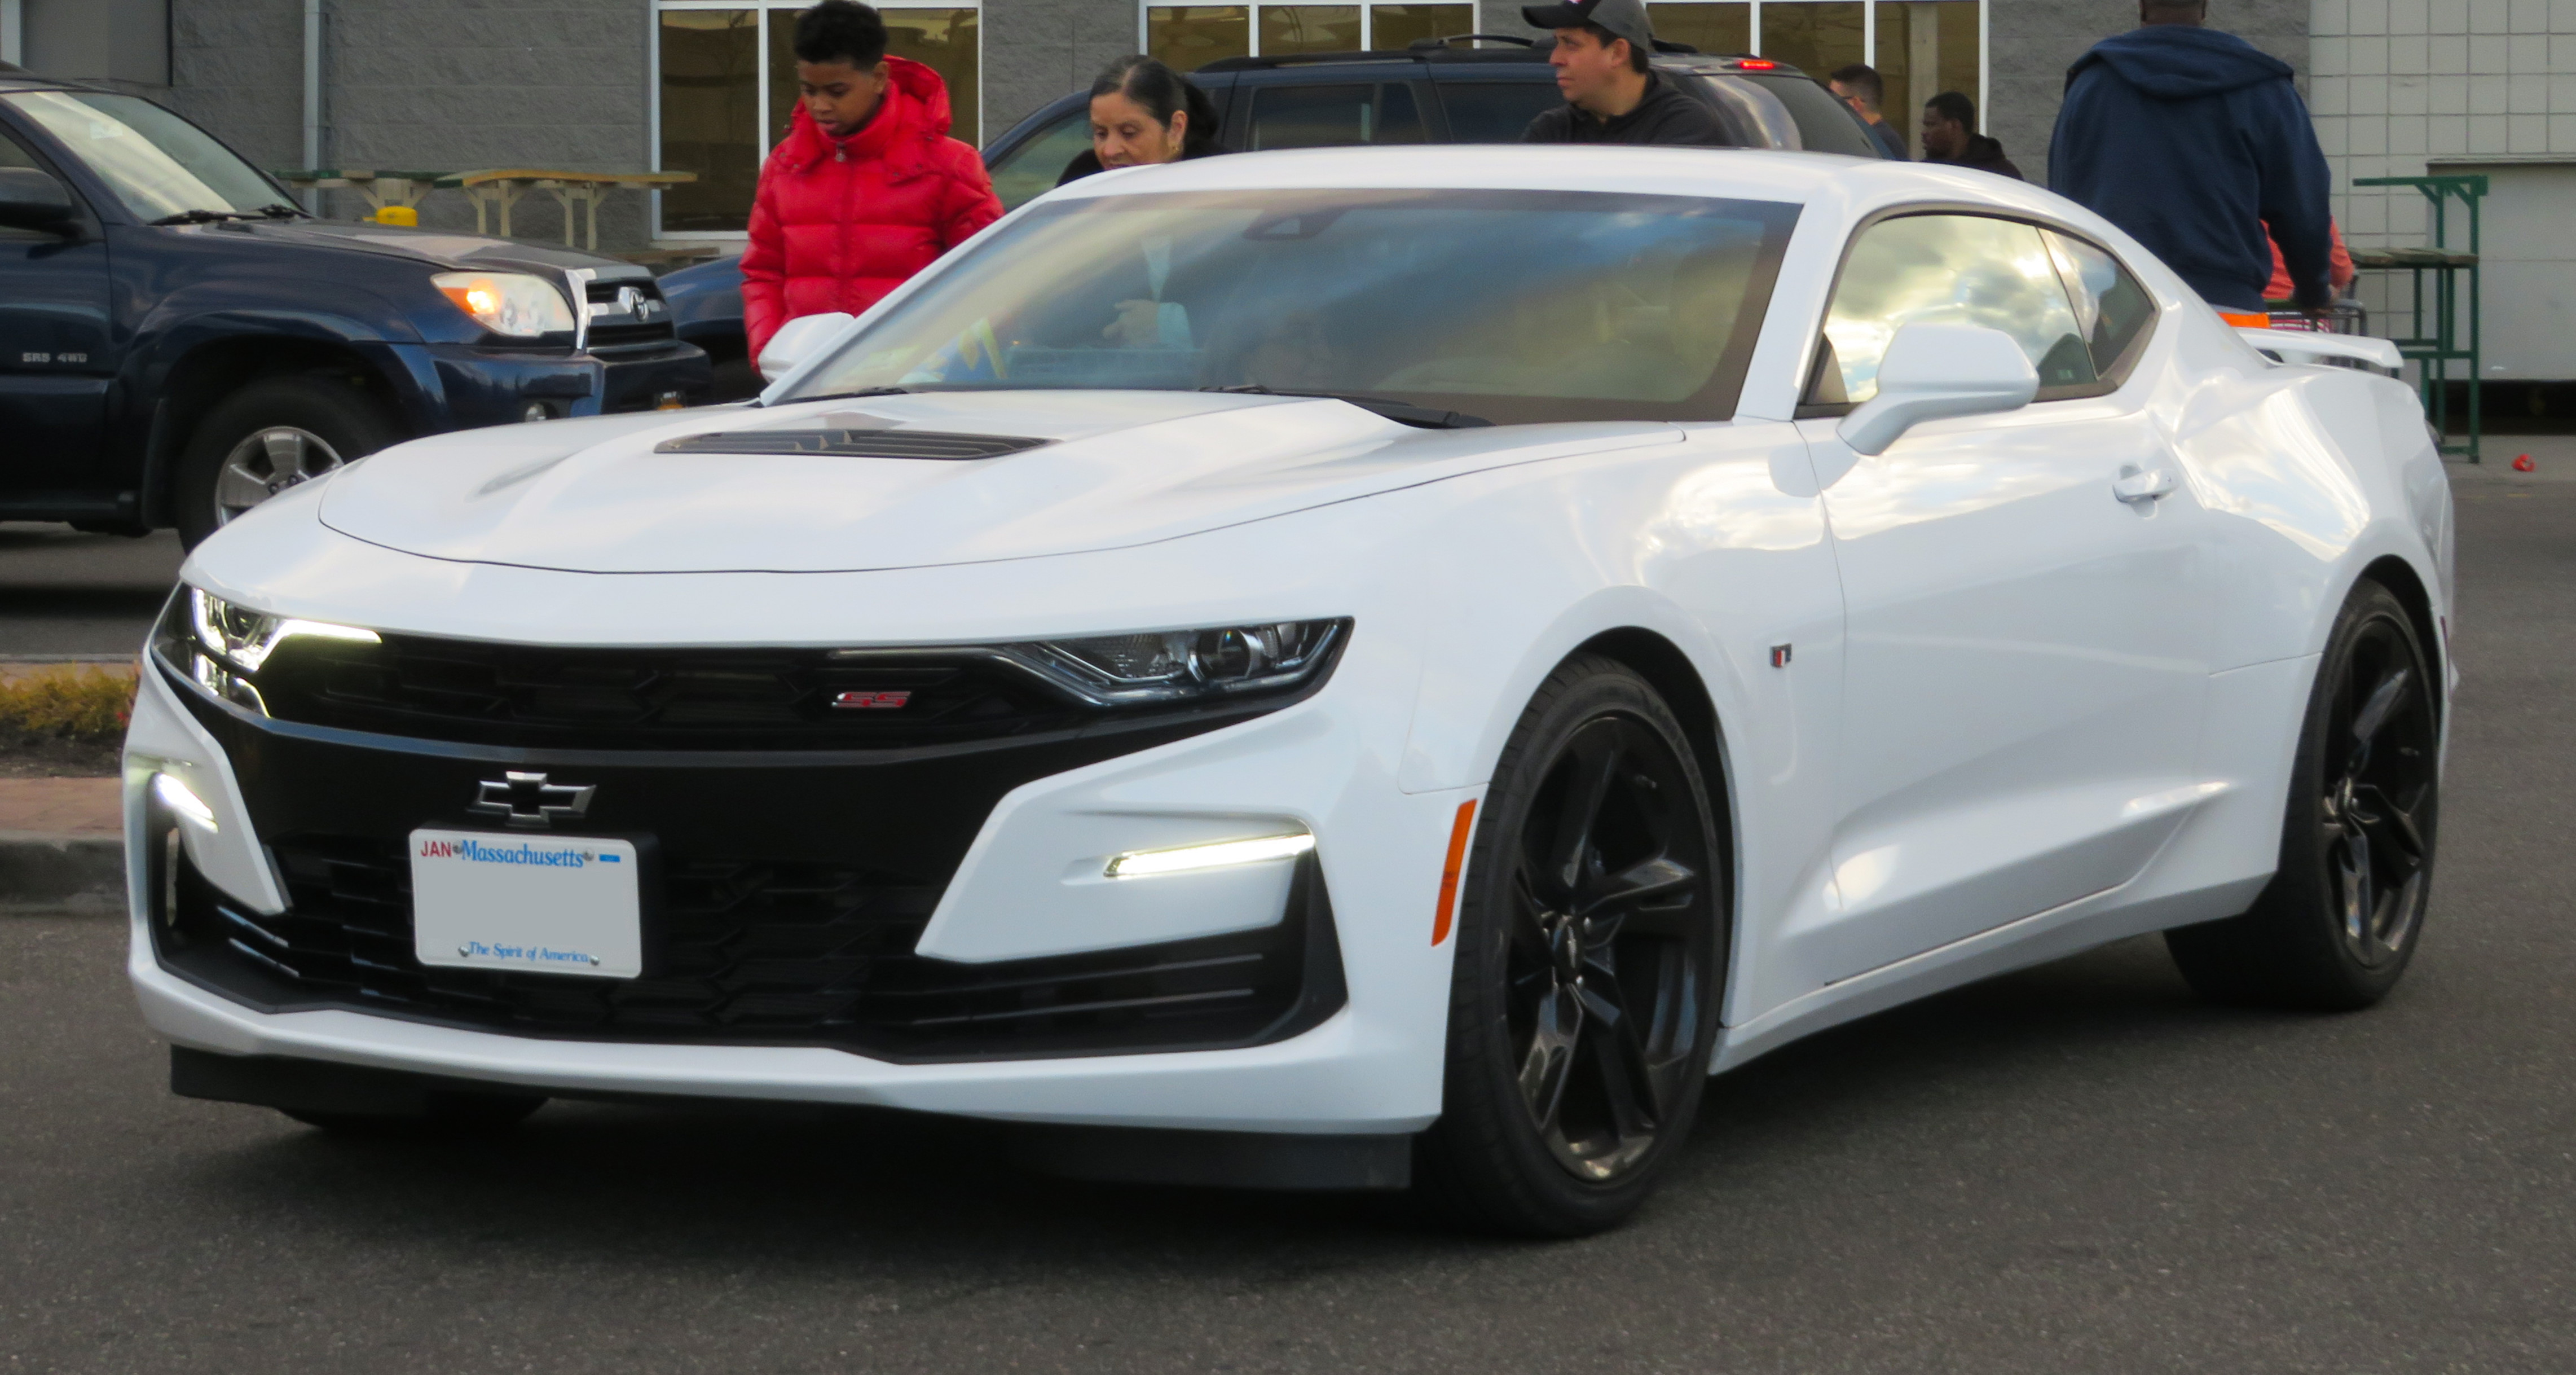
column 853, row 443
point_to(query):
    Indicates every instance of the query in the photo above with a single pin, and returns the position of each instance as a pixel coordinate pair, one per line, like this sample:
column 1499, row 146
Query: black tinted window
column 1825, row 125
column 1335, row 116
column 1032, row 169
column 1495, row 111
column 2110, row 307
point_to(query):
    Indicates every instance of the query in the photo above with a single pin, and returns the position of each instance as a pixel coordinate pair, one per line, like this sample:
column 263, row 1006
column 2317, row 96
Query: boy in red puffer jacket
column 866, row 189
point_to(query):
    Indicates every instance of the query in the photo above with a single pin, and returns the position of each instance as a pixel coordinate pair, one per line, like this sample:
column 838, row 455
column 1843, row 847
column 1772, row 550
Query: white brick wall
column 2393, row 82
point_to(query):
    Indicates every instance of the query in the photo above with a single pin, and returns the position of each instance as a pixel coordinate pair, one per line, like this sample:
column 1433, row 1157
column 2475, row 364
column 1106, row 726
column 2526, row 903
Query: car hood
column 435, row 248
column 1114, row 469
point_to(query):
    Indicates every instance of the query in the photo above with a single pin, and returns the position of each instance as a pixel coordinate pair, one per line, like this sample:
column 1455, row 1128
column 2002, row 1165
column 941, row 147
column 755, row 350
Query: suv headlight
column 512, row 303
column 221, row 647
column 1183, row 665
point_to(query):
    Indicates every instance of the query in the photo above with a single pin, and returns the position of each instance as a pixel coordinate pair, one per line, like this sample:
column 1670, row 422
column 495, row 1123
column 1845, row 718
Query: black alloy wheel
column 2339, row 921
column 1592, row 931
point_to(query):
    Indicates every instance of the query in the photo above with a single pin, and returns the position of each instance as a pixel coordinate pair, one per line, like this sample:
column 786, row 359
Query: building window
column 1191, row 36
column 727, row 91
column 1920, row 47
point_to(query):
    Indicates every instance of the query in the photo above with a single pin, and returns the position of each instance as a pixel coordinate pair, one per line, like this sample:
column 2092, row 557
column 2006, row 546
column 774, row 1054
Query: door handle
column 2134, row 487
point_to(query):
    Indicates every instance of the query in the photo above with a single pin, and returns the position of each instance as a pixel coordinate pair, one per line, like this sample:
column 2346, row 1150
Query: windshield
column 158, row 164
column 1512, row 306
column 1825, row 123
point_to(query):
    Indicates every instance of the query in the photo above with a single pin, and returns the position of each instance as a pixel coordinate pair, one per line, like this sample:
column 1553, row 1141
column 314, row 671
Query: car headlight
column 1183, row 665
column 512, row 303
column 221, row 647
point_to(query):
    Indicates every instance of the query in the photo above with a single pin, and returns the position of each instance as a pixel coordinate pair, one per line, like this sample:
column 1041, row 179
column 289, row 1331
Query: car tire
column 1595, row 884
column 271, row 435
column 445, row 1114
column 2342, row 916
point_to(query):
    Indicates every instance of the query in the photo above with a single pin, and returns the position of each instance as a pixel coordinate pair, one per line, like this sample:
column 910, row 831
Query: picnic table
column 494, row 191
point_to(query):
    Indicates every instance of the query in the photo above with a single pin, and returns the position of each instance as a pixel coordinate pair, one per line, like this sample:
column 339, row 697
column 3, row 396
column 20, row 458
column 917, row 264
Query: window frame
column 761, row 140
column 2108, row 380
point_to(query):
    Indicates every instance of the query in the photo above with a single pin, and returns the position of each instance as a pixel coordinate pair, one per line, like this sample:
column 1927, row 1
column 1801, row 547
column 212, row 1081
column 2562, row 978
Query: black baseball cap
column 1624, row 18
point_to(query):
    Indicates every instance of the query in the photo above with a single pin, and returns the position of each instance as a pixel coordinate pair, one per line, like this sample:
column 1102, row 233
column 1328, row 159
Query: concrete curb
column 61, row 875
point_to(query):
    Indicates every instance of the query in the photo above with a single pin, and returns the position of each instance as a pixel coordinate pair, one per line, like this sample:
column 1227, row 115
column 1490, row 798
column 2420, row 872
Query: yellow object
column 403, row 215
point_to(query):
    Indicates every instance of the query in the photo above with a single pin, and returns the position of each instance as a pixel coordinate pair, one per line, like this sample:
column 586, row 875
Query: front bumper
column 1369, row 1064
column 473, row 387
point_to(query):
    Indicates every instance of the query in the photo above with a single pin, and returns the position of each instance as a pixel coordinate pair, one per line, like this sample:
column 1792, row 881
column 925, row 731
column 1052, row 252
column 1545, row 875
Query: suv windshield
column 158, row 164
column 1514, row 306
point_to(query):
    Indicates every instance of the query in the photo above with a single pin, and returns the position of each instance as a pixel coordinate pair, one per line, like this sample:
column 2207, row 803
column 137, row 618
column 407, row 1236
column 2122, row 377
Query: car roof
column 1535, row 54
column 1732, row 172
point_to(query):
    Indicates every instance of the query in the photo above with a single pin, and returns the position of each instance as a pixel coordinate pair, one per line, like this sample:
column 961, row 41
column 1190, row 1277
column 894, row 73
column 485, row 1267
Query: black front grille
column 755, row 952
column 535, row 696
column 647, row 323
column 845, row 443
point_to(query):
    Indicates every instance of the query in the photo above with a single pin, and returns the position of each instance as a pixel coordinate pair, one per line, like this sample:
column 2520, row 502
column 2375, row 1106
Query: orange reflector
column 2242, row 321
column 1458, row 833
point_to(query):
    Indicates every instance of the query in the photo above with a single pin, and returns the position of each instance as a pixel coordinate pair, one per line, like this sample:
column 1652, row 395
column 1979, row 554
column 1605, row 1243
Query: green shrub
column 81, row 703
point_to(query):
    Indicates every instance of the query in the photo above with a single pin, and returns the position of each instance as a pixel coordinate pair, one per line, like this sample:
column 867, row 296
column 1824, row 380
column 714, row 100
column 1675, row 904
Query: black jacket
column 2192, row 141
column 1665, row 116
column 1985, row 155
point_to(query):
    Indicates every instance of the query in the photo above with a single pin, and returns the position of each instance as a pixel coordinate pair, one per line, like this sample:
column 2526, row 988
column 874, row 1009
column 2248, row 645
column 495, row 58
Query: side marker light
column 180, row 798
column 1222, row 854
column 1459, row 831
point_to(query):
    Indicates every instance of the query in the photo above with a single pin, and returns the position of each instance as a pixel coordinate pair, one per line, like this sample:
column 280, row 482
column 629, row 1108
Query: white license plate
column 536, row 904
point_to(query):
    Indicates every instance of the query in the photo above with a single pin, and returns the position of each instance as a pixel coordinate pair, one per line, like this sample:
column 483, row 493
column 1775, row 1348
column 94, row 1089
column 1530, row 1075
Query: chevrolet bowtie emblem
column 529, row 802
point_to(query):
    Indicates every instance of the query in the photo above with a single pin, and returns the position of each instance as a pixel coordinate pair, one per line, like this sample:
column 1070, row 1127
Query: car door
column 55, row 358
column 2028, row 647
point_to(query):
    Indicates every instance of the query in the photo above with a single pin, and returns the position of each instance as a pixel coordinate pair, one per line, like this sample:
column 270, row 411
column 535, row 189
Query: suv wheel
column 1592, row 938
column 267, row 437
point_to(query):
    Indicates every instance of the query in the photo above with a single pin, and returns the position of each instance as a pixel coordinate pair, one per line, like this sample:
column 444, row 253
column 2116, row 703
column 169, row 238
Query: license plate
column 533, row 904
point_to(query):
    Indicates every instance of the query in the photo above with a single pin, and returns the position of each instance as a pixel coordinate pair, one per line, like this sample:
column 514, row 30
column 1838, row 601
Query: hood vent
column 853, row 443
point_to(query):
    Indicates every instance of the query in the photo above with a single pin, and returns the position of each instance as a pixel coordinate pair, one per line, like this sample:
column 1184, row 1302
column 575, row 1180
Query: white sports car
column 1333, row 669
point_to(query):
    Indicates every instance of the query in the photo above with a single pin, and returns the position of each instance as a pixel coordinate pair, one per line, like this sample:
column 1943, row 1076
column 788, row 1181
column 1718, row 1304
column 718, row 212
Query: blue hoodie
column 2192, row 140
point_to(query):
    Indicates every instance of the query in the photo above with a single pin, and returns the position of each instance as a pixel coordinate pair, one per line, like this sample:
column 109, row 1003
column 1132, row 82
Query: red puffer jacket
column 838, row 223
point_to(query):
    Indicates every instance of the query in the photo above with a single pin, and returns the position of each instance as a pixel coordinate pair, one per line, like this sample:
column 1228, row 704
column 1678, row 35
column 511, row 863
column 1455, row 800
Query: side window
column 1495, row 111
column 1032, row 169
column 2111, row 309
column 1950, row 269
column 1335, row 116
column 11, row 155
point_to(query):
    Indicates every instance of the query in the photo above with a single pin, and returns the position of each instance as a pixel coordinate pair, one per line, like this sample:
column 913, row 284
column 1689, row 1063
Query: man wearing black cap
column 1611, row 95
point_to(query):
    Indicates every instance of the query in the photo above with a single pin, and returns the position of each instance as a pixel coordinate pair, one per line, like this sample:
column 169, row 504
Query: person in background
column 2193, row 140
column 866, row 189
column 1612, row 95
column 1950, row 136
column 1861, row 87
column 2339, row 268
column 1143, row 112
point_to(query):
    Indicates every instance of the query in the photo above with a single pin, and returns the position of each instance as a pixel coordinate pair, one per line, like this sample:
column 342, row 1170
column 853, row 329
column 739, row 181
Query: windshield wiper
column 846, row 395
column 206, row 216
column 265, row 212
column 1401, row 412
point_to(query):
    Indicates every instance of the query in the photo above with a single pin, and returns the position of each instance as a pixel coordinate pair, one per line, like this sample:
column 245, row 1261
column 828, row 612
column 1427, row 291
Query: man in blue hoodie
column 2192, row 140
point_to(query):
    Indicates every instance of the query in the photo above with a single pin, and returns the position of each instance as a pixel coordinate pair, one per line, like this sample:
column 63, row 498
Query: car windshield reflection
column 158, row 164
column 1517, row 306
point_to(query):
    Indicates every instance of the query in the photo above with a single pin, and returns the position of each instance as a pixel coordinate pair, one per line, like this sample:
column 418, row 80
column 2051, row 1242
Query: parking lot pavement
column 64, row 594
column 2072, row 1169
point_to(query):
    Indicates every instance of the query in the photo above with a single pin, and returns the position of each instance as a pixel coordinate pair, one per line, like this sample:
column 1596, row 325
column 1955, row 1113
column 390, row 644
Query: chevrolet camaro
column 1345, row 669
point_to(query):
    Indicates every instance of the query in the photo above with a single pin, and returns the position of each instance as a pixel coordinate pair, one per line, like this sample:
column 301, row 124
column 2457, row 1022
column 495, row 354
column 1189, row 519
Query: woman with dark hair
column 1144, row 112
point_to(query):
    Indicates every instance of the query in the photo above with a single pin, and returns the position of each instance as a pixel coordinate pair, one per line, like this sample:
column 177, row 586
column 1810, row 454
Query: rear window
column 1335, row 116
column 1825, row 124
column 1495, row 111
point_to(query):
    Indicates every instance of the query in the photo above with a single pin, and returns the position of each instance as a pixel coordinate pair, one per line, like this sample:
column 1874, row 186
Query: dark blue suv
column 178, row 342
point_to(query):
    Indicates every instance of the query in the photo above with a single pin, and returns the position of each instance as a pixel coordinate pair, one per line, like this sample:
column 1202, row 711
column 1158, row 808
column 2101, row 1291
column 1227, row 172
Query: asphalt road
column 65, row 593
column 2073, row 1169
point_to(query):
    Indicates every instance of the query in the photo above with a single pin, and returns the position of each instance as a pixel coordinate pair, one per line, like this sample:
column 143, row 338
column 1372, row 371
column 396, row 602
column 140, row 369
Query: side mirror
column 1931, row 371
column 29, row 199
column 796, row 341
